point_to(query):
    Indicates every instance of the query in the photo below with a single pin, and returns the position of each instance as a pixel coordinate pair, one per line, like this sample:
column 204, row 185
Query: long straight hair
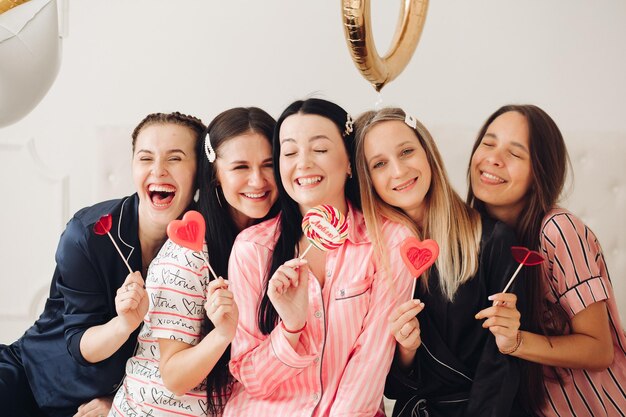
column 549, row 162
column 448, row 220
column 291, row 219
column 221, row 230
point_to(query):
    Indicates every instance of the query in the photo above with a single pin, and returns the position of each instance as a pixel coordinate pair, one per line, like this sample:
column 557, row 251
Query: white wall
column 124, row 59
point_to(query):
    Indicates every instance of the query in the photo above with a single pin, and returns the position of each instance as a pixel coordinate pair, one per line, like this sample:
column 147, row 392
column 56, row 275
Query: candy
column 189, row 233
column 325, row 227
column 103, row 227
column 419, row 256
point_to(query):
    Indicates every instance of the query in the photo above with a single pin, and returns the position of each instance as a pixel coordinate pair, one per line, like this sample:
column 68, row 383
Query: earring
column 196, row 196
column 217, row 194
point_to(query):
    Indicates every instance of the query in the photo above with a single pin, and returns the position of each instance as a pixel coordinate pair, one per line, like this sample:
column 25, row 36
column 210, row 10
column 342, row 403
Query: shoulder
column 263, row 234
column 394, row 233
column 558, row 221
column 88, row 216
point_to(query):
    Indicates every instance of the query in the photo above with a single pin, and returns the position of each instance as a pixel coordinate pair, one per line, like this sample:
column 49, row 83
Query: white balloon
column 30, row 56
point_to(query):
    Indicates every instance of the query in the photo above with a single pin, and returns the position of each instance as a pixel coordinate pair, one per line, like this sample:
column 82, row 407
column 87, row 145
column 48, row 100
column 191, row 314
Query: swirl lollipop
column 325, row 227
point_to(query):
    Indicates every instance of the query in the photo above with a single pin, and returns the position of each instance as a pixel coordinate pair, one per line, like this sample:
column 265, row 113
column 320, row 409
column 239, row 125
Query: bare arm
column 184, row 366
column 589, row 346
column 131, row 302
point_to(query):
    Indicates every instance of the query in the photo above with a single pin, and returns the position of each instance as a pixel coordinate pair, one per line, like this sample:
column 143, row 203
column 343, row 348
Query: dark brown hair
column 176, row 118
column 549, row 163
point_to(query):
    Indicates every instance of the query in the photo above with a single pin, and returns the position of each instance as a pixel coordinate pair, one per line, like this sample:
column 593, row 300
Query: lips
column 405, row 185
column 491, row 178
column 161, row 195
column 304, row 181
column 256, row 196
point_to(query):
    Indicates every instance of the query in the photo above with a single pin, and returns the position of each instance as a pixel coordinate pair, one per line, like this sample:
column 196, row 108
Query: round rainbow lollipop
column 325, row 227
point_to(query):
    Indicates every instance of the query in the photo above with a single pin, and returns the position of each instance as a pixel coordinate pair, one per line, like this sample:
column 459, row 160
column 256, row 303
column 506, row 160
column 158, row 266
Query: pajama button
column 316, row 360
column 328, row 274
column 318, row 314
column 315, row 397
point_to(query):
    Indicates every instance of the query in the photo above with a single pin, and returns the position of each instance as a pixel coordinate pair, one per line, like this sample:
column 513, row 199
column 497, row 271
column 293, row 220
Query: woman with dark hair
column 75, row 353
column 571, row 331
column 313, row 335
column 181, row 363
column 445, row 364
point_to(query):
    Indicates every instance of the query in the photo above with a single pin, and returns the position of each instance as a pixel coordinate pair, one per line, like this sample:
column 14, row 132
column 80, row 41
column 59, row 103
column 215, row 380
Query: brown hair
column 176, row 118
column 549, row 162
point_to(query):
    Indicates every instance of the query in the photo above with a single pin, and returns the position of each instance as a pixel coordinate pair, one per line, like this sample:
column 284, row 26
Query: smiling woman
column 91, row 319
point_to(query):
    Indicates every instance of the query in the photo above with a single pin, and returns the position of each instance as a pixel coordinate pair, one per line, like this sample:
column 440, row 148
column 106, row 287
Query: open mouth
column 161, row 195
column 256, row 196
column 491, row 178
column 405, row 185
column 308, row 180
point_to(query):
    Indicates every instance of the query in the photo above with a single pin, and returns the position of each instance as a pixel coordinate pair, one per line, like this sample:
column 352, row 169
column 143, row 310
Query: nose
column 256, row 179
column 397, row 168
column 158, row 168
column 304, row 160
column 494, row 157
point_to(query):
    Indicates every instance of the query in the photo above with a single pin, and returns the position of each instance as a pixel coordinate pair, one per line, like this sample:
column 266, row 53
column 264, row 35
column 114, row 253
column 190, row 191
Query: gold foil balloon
column 358, row 29
column 9, row 4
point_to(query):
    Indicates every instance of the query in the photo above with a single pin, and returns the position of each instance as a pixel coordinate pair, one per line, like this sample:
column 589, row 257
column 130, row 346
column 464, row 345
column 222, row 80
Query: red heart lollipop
column 419, row 256
column 103, row 225
column 526, row 256
column 188, row 232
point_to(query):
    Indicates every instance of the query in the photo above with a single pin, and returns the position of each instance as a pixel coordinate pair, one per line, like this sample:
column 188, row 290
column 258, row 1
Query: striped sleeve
column 176, row 294
column 572, row 252
column 361, row 387
column 261, row 363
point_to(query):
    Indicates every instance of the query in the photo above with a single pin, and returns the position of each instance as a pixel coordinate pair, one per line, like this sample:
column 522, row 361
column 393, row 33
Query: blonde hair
column 448, row 220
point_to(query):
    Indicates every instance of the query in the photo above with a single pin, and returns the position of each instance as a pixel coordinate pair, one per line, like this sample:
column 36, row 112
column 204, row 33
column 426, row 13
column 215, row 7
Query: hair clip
column 208, row 149
column 410, row 121
column 349, row 125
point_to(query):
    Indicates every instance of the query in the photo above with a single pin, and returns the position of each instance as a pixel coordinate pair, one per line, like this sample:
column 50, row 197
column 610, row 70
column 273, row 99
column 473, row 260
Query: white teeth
column 402, row 187
column 254, row 195
column 161, row 188
column 492, row 177
column 309, row 180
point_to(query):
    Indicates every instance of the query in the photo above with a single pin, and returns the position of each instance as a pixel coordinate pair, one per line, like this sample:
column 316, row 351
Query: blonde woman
column 446, row 363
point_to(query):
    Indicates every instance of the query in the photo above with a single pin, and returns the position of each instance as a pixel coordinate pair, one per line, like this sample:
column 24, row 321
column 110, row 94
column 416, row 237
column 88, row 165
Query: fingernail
column 490, row 297
column 416, row 302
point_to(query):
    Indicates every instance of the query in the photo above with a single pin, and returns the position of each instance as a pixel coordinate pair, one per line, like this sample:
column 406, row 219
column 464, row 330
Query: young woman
column 445, row 364
column 312, row 336
column 517, row 172
column 181, row 364
column 77, row 349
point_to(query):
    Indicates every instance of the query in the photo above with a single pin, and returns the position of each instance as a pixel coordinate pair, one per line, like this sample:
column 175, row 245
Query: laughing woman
column 77, row 349
column 576, row 341
column 312, row 336
column 181, row 363
column 445, row 364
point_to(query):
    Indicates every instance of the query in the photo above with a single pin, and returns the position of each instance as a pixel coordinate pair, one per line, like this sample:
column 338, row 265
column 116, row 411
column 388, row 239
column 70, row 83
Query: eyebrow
column 168, row 152
column 513, row 143
column 406, row 142
column 243, row 161
column 311, row 139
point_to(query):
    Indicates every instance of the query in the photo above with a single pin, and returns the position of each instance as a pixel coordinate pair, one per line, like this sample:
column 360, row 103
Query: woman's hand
column 405, row 328
column 503, row 320
column 131, row 301
column 221, row 308
column 98, row 407
column 288, row 290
